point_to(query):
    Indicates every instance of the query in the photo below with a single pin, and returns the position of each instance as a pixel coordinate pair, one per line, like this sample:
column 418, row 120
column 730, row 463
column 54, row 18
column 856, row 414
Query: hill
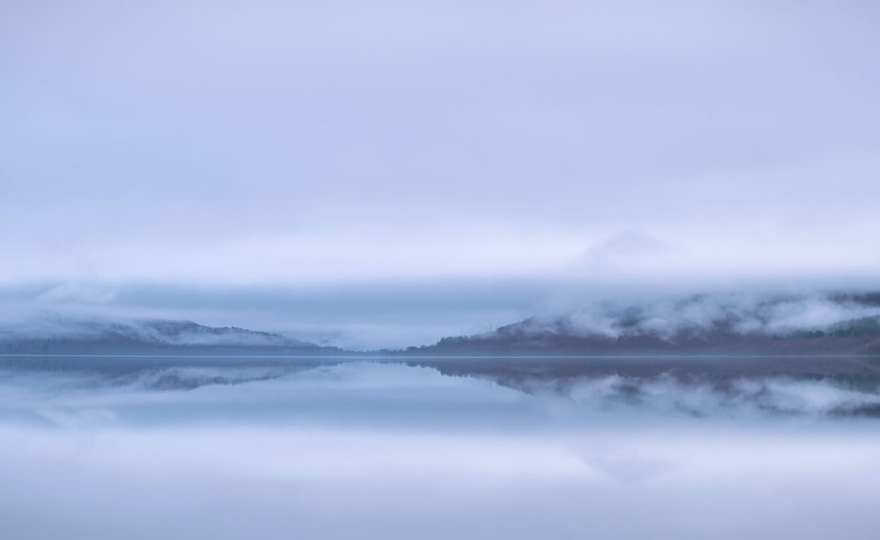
column 56, row 335
column 840, row 324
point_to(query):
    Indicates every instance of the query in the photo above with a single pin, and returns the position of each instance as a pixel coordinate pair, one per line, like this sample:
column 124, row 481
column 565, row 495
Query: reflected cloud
column 394, row 451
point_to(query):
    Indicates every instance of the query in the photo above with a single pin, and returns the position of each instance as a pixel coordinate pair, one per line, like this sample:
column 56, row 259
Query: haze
column 232, row 153
column 675, row 183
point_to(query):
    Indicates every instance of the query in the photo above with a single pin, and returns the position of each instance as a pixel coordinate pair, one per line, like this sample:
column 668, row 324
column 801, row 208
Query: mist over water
column 347, row 194
column 387, row 450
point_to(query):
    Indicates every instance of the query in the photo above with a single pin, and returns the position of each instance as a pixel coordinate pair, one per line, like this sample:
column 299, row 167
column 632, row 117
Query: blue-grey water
column 137, row 447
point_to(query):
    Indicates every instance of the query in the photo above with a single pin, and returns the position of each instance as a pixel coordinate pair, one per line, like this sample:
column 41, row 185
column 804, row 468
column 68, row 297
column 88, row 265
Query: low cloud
column 742, row 313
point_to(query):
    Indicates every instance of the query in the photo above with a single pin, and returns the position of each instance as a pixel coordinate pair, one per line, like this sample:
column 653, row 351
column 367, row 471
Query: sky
column 386, row 173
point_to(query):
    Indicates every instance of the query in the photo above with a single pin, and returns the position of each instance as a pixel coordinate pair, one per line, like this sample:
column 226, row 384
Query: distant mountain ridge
column 703, row 324
column 736, row 324
column 71, row 336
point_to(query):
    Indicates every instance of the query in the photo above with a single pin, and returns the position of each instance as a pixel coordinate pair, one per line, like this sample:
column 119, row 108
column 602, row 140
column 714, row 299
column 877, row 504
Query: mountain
column 835, row 324
column 56, row 335
column 735, row 324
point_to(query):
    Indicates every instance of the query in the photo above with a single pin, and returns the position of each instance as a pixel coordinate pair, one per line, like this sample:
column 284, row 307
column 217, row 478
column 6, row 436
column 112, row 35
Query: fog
column 744, row 313
column 387, row 173
column 395, row 316
column 378, row 450
column 190, row 143
column 385, row 176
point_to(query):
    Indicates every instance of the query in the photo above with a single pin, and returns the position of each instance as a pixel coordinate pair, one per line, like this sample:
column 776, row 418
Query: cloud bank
column 738, row 313
column 189, row 143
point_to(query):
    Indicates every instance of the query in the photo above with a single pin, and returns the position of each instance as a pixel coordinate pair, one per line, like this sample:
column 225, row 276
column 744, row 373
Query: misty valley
column 467, row 270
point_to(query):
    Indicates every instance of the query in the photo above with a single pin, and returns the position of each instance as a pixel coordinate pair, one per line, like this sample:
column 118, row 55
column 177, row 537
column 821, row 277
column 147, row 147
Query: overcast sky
column 235, row 152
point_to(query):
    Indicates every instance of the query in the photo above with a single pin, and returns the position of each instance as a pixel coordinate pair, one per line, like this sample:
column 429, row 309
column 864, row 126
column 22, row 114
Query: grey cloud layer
column 289, row 142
